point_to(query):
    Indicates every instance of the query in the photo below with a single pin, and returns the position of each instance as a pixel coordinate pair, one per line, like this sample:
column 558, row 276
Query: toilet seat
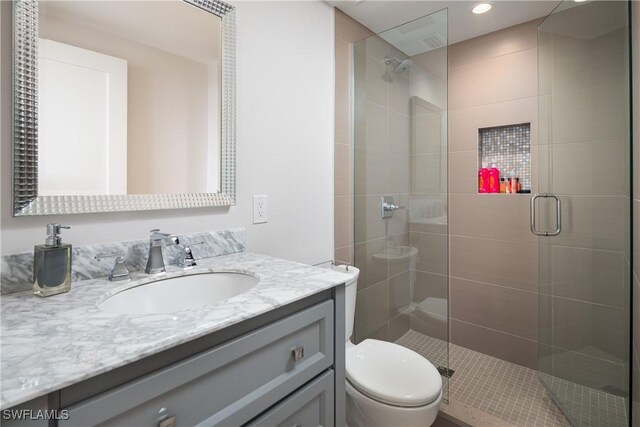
column 392, row 374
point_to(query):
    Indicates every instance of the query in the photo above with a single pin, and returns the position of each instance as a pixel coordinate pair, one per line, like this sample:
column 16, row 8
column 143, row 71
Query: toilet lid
column 392, row 374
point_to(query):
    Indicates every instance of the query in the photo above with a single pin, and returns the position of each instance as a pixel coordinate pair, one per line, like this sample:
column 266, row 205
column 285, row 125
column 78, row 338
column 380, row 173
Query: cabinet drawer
column 227, row 385
column 311, row 406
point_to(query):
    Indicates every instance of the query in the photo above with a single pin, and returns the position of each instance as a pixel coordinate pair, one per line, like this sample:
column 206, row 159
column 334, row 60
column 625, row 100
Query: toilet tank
column 351, row 292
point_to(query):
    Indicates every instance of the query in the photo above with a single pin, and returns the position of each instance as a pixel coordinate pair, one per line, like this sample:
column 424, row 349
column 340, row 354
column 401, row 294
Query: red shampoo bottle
column 494, row 179
column 483, row 180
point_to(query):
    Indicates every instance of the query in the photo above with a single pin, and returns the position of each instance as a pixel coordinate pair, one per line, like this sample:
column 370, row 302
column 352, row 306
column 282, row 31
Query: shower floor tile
column 512, row 392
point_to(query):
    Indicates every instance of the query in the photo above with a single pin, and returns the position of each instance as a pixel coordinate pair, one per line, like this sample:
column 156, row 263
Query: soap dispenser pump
column 52, row 264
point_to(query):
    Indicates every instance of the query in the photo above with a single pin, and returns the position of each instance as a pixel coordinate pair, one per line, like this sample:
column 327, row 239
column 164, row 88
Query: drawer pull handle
column 297, row 352
column 168, row 422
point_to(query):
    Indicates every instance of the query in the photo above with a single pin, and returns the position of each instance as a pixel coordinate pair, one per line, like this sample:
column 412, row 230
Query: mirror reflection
column 129, row 98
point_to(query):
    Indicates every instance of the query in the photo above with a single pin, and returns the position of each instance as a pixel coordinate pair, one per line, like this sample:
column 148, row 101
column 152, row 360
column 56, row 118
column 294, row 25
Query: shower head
column 399, row 66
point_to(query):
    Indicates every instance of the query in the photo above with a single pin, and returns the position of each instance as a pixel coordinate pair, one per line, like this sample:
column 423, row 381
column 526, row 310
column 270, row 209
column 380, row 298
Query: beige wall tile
column 399, row 265
column 376, row 86
column 463, row 172
column 497, row 79
column 491, row 216
column 506, row 263
column 430, row 324
column 342, row 92
column 583, row 274
column 343, row 222
column 427, row 173
column 465, row 122
column 595, row 113
column 429, row 285
column 372, row 269
column 596, row 222
column 344, row 254
column 382, row 333
column 370, row 171
column 369, row 224
column 398, row 326
column 498, row 344
column 590, row 329
column 431, row 62
column 399, row 134
column 399, row 173
column 496, row 307
column 433, row 88
column 432, row 252
column 498, row 43
column 399, row 293
column 427, row 132
column 343, row 184
column 399, row 93
column 372, row 130
column 372, row 309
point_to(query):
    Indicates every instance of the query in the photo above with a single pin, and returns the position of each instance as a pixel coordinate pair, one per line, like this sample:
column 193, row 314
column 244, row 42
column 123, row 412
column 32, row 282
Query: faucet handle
column 186, row 259
column 119, row 270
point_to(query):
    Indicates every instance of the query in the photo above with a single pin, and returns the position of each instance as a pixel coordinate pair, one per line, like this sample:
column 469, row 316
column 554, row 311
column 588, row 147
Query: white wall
column 285, row 98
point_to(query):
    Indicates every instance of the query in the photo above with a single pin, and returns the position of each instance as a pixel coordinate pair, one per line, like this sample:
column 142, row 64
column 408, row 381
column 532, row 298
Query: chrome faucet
column 155, row 262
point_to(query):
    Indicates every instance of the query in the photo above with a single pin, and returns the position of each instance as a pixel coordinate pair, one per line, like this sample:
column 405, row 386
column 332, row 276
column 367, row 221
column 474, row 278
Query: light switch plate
column 260, row 209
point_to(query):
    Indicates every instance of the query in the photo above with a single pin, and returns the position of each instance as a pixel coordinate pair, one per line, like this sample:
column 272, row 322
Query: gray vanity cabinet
column 312, row 405
column 279, row 373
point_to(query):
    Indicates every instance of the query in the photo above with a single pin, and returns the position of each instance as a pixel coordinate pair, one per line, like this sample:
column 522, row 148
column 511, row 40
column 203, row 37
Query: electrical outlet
column 260, row 209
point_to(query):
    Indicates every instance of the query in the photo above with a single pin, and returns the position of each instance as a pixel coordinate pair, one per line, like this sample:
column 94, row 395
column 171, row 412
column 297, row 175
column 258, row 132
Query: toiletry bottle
column 494, row 179
column 52, row 264
column 518, row 186
column 509, row 185
column 503, row 185
column 483, row 180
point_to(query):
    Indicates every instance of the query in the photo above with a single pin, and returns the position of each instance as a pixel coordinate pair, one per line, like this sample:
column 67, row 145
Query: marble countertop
column 51, row 343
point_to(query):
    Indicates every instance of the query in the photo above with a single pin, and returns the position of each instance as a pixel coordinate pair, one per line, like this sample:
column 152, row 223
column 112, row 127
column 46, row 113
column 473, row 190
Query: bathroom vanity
column 273, row 355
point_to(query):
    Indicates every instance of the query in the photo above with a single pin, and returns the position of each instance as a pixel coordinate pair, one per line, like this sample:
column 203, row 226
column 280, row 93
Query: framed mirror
column 123, row 106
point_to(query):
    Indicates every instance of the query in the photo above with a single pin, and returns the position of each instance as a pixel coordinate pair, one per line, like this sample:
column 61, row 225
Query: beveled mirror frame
column 25, row 129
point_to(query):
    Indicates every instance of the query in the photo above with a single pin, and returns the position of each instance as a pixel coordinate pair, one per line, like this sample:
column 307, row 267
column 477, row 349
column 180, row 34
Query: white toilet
column 387, row 384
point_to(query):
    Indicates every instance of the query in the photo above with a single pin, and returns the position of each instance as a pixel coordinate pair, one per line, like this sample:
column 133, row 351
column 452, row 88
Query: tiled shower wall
column 636, row 213
column 493, row 256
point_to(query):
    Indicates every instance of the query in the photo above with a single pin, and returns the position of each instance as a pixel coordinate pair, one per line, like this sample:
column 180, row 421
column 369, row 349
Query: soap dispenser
column 52, row 264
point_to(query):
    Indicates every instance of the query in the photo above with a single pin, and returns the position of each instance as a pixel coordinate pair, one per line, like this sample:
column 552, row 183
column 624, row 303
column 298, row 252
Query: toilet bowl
column 387, row 384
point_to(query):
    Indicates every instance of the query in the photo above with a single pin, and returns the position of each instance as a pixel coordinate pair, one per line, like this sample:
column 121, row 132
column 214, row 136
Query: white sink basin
column 179, row 293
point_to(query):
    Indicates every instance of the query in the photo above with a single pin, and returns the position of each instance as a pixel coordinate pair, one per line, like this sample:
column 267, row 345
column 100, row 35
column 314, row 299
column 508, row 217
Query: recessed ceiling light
column 579, row 1
column 481, row 8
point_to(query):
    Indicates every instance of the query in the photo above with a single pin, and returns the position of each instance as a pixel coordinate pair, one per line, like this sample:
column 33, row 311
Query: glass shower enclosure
column 400, row 187
column 583, row 210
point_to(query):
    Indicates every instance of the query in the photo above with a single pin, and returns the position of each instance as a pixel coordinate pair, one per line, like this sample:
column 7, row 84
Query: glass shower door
column 583, row 210
column 400, row 187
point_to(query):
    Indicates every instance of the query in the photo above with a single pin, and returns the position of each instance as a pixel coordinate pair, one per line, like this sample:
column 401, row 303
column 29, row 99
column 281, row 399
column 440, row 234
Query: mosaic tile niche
column 509, row 149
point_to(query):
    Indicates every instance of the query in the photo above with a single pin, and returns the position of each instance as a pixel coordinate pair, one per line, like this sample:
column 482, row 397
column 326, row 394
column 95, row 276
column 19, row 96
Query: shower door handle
column 532, row 215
